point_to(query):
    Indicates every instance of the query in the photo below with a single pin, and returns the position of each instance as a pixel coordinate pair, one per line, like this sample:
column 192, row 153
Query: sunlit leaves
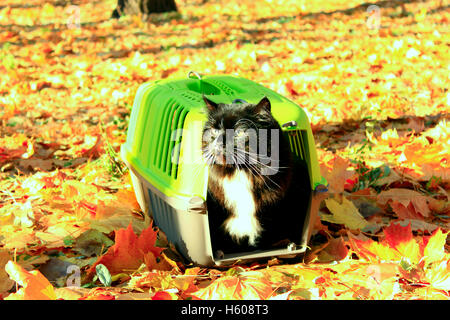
column 236, row 288
column 377, row 101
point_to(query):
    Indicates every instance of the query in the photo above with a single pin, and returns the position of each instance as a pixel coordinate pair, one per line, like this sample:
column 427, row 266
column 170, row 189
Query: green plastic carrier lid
column 164, row 136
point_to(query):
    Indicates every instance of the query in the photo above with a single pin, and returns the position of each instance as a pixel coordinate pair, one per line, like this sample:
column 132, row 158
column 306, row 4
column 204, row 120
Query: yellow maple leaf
column 382, row 252
column 236, row 288
column 344, row 213
column 409, row 250
column 439, row 276
column 434, row 250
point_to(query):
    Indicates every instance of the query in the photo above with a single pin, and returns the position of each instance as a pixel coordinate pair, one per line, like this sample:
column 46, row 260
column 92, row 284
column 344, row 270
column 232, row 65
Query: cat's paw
column 241, row 227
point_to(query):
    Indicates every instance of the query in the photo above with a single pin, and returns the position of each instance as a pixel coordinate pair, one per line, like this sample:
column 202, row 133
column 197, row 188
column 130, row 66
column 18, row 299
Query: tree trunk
column 143, row 6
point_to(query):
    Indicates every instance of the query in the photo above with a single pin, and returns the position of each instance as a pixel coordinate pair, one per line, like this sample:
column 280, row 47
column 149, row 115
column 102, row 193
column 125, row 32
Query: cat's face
column 234, row 131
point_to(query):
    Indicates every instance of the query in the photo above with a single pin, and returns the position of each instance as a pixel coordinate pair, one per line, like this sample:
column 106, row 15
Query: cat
column 145, row 7
column 258, row 192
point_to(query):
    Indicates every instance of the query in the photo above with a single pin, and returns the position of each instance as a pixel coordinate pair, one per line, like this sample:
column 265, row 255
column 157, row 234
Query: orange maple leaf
column 372, row 250
column 34, row 285
column 129, row 250
column 399, row 242
column 396, row 234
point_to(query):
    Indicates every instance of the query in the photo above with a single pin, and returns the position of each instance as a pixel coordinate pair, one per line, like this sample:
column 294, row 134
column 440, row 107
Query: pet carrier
column 169, row 176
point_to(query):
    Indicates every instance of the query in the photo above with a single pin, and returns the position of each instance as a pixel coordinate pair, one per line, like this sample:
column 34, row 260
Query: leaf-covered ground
column 378, row 102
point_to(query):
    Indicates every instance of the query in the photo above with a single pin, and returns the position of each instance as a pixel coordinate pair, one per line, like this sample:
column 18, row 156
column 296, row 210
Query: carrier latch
column 197, row 205
column 195, row 73
column 290, row 124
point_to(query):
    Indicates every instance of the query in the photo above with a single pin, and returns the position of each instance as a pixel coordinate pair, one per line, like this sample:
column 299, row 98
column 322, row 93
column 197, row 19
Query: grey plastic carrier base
column 185, row 223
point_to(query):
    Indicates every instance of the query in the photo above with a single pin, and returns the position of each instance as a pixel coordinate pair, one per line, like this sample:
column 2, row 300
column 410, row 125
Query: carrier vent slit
column 297, row 144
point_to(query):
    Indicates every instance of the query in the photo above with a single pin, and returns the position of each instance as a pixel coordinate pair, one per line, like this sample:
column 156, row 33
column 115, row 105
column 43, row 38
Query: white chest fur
column 239, row 200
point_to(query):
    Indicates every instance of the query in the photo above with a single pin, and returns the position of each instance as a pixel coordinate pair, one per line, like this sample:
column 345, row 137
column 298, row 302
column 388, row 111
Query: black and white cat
column 258, row 192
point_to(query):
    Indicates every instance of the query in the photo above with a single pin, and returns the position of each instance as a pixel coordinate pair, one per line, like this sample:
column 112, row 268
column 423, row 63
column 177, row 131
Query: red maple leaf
column 129, row 250
column 396, row 234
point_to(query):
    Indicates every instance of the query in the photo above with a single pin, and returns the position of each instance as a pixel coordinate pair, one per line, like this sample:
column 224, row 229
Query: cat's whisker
column 257, row 162
column 255, row 170
column 211, row 160
column 254, row 157
column 199, row 165
column 236, row 162
column 206, row 156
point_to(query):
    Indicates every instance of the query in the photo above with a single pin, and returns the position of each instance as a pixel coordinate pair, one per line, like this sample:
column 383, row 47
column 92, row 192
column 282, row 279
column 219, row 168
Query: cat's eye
column 215, row 131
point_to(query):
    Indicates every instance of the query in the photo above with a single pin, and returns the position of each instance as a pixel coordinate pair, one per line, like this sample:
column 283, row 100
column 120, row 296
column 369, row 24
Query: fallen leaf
column 420, row 225
column 34, row 285
column 334, row 251
column 70, row 293
column 92, row 242
column 56, row 271
column 372, row 250
column 382, row 271
column 128, row 252
column 439, row 276
column 99, row 294
column 5, row 282
column 344, row 213
column 401, row 239
column 407, row 204
column 164, row 295
column 235, row 288
column 435, row 247
column 336, row 172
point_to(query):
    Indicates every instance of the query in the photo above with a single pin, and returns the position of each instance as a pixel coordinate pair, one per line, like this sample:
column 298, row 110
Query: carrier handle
column 195, row 73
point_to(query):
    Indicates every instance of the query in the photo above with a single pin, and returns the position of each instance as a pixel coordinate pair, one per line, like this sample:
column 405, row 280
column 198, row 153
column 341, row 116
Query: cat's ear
column 211, row 105
column 263, row 105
